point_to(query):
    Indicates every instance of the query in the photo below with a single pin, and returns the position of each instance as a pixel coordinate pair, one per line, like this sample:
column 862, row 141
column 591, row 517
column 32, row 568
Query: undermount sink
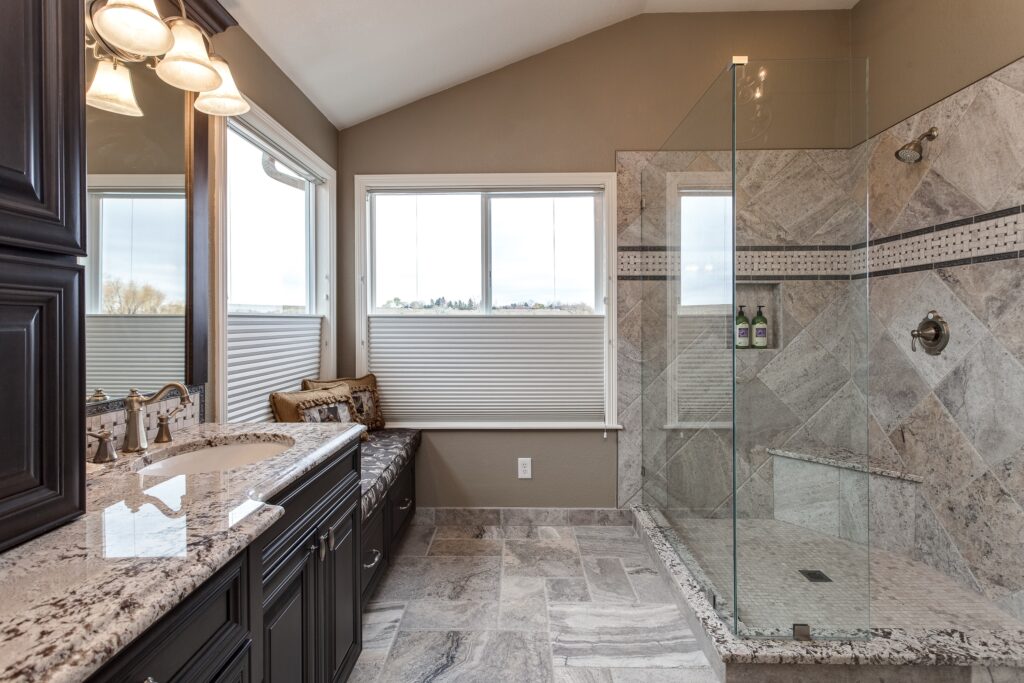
column 215, row 457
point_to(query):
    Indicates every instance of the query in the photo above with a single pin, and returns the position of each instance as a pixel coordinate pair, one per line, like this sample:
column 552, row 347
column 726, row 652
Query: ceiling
column 356, row 59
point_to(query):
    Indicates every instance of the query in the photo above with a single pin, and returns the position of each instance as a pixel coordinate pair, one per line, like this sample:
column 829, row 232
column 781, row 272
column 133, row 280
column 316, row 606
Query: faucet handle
column 105, row 451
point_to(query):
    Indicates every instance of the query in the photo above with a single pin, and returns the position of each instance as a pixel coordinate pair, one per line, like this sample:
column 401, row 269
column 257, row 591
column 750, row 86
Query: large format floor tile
column 420, row 656
column 607, row 635
column 554, row 604
column 441, row 578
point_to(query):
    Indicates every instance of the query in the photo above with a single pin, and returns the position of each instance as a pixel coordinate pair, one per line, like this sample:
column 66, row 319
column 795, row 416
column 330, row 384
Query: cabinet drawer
column 197, row 641
column 372, row 555
column 402, row 499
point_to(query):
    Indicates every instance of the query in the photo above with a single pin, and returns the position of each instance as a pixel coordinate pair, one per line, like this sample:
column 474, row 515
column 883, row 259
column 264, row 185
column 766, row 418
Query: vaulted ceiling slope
column 356, row 59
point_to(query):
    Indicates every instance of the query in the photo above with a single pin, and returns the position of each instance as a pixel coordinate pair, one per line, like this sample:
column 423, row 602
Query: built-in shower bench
column 828, row 491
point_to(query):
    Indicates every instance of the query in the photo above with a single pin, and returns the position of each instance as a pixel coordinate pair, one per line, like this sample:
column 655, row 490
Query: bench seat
column 384, row 455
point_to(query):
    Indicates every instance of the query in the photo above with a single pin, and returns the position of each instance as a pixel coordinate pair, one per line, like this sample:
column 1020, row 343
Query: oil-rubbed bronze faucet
column 135, row 428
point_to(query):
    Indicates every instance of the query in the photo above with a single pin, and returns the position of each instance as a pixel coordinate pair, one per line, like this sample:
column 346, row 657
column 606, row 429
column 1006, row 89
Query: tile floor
column 526, row 603
column 773, row 595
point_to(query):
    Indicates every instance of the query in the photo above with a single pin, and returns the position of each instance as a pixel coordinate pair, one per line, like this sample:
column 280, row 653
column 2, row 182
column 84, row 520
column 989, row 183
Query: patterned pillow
column 365, row 399
column 327, row 409
column 284, row 404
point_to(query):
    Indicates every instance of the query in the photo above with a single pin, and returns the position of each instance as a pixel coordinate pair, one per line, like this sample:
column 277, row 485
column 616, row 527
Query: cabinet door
column 42, row 458
column 42, row 158
column 343, row 633
column 290, row 618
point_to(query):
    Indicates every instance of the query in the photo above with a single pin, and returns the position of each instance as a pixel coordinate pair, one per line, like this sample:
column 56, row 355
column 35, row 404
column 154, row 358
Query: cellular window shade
column 489, row 369
column 268, row 353
column 703, row 370
column 141, row 351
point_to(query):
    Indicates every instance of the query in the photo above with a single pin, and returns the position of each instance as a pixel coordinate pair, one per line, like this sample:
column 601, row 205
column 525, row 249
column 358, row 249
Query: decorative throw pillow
column 284, row 404
column 323, row 408
column 365, row 399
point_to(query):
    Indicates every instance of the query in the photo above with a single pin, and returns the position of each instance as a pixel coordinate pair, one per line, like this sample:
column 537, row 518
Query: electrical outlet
column 526, row 468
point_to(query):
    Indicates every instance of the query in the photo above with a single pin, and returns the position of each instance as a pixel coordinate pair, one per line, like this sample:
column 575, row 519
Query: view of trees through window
column 142, row 253
column 429, row 254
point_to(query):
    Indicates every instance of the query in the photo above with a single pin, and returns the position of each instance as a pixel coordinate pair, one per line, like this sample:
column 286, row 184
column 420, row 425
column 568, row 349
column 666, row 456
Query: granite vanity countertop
column 74, row 597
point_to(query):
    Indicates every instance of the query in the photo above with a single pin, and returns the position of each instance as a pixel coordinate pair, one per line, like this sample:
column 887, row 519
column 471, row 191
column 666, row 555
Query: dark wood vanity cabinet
column 42, row 162
column 309, row 579
column 285, row 610
column 205, row 639
column 42, row 182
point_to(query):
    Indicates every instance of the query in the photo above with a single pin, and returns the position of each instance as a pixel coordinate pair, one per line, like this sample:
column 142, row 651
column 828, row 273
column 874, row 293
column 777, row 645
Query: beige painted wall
column 478, row 469
column 260, row 79
column 921, row 51
column 567, row 109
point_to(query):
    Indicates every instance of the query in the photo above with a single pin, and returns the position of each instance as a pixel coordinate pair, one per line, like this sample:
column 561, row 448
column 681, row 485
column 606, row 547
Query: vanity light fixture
column 111, row 89
column 123, row 31
column 134, row 26
column 187, row 65
column 225, row 100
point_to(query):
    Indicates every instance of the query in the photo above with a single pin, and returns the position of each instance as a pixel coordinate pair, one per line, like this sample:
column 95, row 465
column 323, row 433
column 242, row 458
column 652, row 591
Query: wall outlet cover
column 526, row 468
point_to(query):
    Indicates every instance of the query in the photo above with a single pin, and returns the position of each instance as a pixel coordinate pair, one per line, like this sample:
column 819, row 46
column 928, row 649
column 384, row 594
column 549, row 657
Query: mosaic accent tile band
column 978, row 239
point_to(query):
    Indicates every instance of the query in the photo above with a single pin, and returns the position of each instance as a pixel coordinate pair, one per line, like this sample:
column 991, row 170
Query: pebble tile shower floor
column 525, row 604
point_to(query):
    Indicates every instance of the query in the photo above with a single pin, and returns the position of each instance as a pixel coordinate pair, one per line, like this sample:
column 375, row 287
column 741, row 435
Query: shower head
column 912, row 152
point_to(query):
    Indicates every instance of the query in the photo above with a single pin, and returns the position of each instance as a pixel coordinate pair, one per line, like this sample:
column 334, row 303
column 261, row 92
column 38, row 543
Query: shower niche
column 768, row 295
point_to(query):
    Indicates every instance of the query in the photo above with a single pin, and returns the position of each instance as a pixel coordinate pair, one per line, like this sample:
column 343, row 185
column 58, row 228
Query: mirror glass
column 136, row 217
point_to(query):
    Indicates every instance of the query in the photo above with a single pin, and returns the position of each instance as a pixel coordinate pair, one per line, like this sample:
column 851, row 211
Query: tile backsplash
column 110, row 415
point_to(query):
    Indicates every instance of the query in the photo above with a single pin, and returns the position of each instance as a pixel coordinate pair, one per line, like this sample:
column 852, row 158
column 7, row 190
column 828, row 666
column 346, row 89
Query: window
column 278, row 267
column 270, row 235
column 705, row 278
column 700, row 388
column 542, row 251
column 139, row 262
column 486, row 298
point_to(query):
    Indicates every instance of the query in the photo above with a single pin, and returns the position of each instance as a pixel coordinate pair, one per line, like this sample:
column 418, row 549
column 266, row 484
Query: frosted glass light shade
column 134, row 26
column 187, row 65
column 225, row 100
column 111, row 90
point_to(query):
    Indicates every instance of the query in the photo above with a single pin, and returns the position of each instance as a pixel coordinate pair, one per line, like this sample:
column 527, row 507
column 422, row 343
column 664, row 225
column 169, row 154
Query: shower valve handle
column 933, row 332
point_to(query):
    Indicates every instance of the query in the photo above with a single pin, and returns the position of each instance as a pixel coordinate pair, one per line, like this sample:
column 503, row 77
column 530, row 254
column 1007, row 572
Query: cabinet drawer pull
column 376, row 559
column 405, row 504
column 149, row 679
column 323, row 546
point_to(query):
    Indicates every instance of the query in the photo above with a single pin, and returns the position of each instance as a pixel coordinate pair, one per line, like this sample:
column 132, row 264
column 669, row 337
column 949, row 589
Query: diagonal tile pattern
column 603, row 614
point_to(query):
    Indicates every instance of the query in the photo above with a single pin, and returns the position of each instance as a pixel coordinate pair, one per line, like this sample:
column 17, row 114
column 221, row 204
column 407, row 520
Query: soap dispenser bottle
column 742, row 330
column 760, row 326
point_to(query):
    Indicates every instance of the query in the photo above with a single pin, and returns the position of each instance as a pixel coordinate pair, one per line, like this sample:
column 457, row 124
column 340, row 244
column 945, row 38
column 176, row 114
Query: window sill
column 507, row 426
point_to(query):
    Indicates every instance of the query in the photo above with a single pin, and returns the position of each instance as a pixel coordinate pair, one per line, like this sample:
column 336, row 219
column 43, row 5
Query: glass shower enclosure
column 754, row 346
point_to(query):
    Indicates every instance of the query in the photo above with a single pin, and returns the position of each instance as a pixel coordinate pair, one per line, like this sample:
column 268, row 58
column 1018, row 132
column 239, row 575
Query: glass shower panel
column 801, row 416
column 687, row 364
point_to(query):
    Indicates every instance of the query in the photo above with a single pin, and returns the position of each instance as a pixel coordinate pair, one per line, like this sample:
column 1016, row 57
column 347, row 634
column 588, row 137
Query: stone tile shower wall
column 953, row 230
column 797, row 394
column 946, row 234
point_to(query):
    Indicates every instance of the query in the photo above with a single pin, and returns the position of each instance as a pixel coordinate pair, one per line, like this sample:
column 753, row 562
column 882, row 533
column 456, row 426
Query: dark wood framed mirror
column 148, row 225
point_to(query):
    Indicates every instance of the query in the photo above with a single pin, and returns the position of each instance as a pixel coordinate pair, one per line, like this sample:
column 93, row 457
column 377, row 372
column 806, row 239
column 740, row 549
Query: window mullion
column 485, row 248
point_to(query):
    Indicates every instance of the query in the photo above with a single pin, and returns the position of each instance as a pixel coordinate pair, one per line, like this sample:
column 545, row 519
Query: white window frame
column 323, row 273
column 365, row 184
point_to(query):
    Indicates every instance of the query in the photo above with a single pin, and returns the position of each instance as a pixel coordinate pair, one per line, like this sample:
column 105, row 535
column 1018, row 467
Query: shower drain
column 815, row 576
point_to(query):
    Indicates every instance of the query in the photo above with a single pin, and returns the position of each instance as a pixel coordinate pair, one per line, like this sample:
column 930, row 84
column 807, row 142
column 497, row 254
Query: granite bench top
column 76, row 596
